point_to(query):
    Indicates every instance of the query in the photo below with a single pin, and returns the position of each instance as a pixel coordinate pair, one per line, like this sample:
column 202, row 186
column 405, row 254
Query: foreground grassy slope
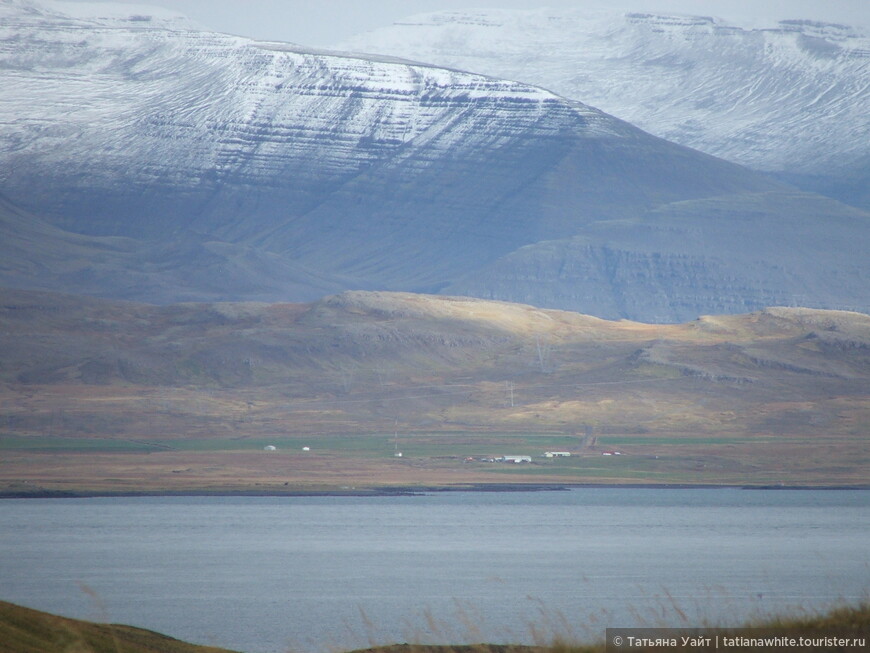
column 23, row 630
column 114, row 397
column 851, row 623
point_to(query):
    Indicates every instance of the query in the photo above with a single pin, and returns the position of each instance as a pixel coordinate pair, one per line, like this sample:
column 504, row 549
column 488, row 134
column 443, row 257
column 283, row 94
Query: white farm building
column 516, row 459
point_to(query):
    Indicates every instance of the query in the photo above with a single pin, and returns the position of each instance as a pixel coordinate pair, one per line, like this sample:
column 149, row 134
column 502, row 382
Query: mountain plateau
column 790, row 99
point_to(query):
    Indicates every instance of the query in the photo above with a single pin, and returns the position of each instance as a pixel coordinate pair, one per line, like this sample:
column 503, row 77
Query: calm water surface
column 266, row 575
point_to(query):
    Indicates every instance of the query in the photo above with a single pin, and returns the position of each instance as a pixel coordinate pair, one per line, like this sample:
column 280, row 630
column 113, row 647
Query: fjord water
column 269, row 574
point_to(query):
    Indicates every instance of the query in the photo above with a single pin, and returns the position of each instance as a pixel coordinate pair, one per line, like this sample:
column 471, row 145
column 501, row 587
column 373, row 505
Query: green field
column 428, row 458
column 373, row 445
column 50, row 443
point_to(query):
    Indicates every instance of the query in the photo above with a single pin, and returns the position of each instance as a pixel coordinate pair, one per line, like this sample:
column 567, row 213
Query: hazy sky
column 323, row 22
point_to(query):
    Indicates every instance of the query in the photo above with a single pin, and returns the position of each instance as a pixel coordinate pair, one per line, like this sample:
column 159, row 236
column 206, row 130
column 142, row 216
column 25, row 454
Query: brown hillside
column 780, row 396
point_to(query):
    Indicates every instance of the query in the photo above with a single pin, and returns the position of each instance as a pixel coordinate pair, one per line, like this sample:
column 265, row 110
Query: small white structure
column 306, row 448
column 517, row 459
column 270, row 447
column 557, row 454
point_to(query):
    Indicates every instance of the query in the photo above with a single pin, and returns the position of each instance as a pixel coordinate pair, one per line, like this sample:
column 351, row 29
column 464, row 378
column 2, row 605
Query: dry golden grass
column 105, row 395
column 23, row 630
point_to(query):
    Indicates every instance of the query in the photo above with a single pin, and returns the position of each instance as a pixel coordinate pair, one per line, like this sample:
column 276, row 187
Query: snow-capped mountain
column 793, row 99
column 298, row 171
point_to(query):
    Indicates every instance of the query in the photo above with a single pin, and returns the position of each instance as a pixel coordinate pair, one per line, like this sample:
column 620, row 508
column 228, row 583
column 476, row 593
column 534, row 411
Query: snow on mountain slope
column 94, row 13
column 168, row 106
column 145, row 158
column 397, row 175
column 794, row 99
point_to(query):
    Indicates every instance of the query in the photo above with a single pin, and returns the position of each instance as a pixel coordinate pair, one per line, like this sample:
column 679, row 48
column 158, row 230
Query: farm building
column 557, row 454
column 516, row 459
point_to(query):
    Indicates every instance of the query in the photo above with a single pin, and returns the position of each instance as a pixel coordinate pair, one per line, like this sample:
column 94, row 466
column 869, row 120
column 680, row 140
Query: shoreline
column 404, row 490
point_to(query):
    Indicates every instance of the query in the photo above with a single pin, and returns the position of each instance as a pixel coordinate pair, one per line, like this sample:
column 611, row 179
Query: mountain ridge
column 787, row 99
column 37, row 255
column 651, row 268
column 238, row 169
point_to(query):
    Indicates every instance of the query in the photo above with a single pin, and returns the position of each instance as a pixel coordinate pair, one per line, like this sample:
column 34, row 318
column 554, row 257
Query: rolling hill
column 120, row 396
